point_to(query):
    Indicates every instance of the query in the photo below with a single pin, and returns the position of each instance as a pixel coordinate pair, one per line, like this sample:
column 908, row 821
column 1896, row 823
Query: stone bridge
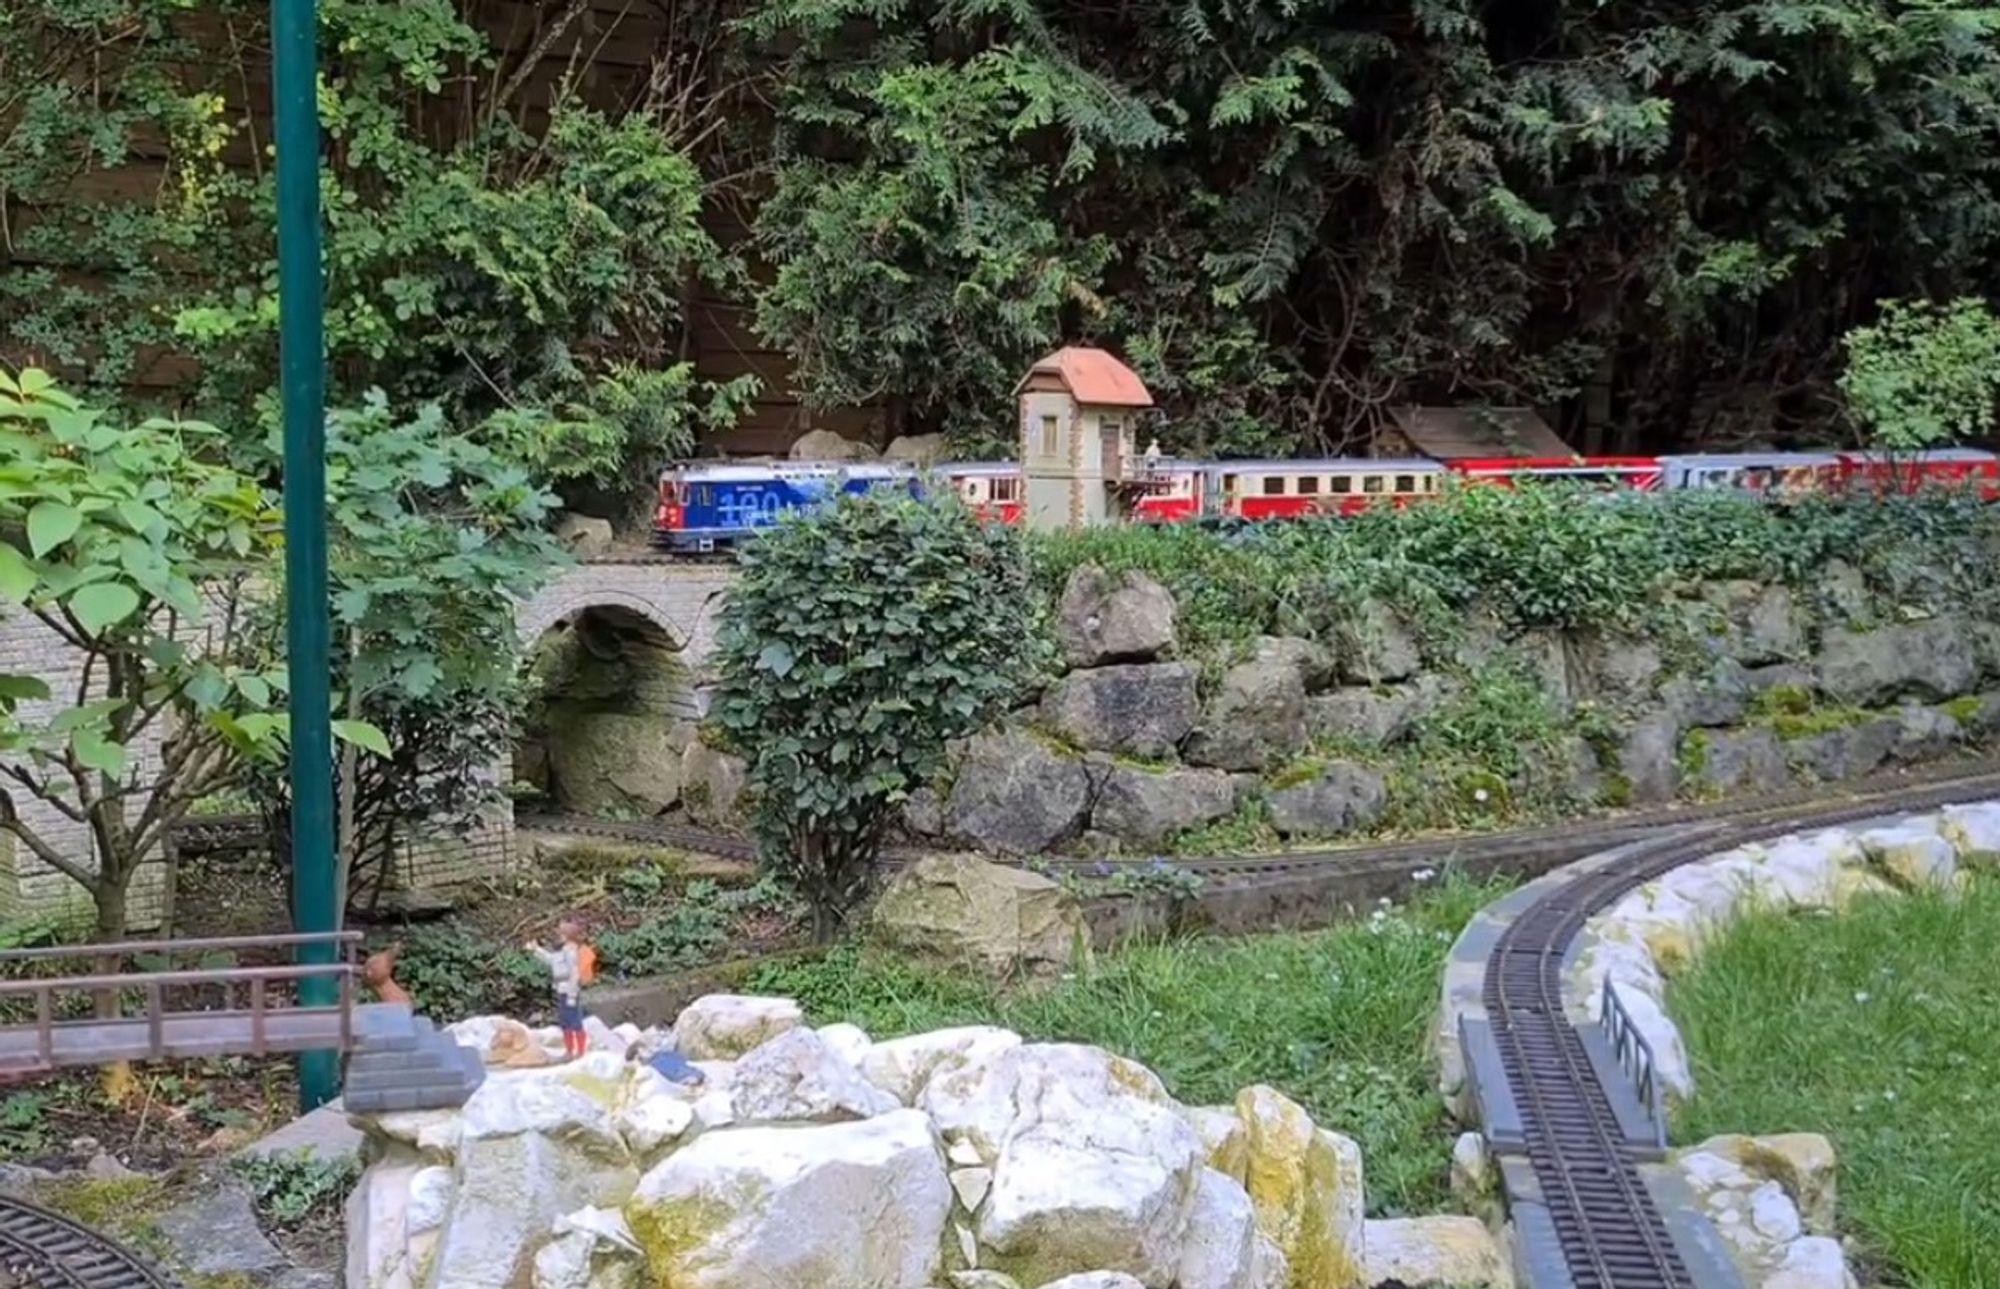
column 681, row 600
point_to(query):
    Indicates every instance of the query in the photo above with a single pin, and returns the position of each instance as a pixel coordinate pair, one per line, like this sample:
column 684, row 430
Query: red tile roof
column 1093, row 377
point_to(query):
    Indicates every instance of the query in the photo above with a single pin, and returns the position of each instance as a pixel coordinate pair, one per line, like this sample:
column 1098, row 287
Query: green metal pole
column 302, row 380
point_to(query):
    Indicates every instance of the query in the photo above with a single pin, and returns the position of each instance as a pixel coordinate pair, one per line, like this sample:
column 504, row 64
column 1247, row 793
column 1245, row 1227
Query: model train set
column 707, row 506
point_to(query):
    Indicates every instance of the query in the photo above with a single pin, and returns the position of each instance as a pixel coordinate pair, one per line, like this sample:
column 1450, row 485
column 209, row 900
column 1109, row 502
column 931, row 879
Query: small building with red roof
column 1079, row 426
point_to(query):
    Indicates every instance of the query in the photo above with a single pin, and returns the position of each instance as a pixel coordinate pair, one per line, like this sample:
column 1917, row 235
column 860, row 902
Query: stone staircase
column 402, row 1062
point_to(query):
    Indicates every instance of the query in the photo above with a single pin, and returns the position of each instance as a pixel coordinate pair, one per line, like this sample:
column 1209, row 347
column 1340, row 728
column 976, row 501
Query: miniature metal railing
column 1634, row 1056
column 256, row 980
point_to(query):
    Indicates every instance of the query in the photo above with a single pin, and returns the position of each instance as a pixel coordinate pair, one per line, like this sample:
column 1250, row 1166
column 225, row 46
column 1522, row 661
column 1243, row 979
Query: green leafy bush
column 862, row 636
column 290, row 1189
column 1924, row 374
column 452, row 973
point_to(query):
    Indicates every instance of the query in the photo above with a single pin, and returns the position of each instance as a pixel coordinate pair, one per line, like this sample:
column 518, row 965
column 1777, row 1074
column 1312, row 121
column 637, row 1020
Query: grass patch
column 1335, row 1019
column 1877, row 1028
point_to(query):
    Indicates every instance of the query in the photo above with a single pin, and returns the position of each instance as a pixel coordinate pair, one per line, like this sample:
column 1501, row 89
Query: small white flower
column 1889, row 1095
column 1157, row 1013
column 1861, row 995
column 1270, row 975
column 1479, row 795
column 1423, row 875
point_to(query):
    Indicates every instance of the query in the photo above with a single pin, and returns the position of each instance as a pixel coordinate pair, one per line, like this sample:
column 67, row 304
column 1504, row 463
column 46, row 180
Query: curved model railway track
column 44, row 1250
column 1605, row 1218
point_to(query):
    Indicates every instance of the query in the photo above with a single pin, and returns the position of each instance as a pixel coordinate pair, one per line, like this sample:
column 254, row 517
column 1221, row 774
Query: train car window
column 1430, row 483
column 1308, row 485
column 1371, row 483
column 1003, row 489
column 1274, row 485
column 1406, row 483
column 1229, row 484
column 1342, row 483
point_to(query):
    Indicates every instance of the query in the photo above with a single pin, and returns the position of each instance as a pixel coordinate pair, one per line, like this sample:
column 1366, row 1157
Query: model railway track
column 1609, row 1228
column 40, row 1249
column 1558, row 841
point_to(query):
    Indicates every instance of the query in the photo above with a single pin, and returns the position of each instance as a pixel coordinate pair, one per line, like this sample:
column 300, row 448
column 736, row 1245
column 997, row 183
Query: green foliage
column 1334, row 1018
column 452, row 973
column 537, row 273
column 1158, row 876
column 1924, row 374
column 861, row 637
column 1873, row 1027
column 290, row 1190
column 1532, row 557
column 121, row 541
column 698, row 923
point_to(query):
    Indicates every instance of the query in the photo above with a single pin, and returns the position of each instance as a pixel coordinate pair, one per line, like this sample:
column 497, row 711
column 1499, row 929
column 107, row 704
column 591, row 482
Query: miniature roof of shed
column 1092, row 376
column 1456, row 433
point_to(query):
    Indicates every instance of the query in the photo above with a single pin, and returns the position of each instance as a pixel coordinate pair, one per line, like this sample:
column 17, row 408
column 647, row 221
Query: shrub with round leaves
column 862, row 636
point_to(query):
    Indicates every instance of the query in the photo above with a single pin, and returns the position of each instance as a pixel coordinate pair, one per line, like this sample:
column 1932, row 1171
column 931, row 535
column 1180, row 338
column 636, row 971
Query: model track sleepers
column 1587, row 1192
column 40, row 1249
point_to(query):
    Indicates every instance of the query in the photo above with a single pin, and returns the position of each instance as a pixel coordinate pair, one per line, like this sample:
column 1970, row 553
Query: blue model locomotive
column 711, row 507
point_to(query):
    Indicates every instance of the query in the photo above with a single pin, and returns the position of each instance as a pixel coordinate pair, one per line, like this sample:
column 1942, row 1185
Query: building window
column 1274, row 485
column 1049, row 436
column 1371, row 483
column 1308, row 485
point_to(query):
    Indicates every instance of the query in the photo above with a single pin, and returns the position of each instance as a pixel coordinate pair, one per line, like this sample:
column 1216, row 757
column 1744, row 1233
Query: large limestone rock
column 1339, row 797
column 1759, row 1222
column 574, row 1103
column 592, row 1248
column 1803, row 1163
column 798, row 1077
column 1224, row 1145
column 1750, row 760
column 1436, row 1253
column 956, row 911
column 855, row 1204
column 377, row 1231
column 1648, row 763
column 511, row 1190
column 1103, row 618
column 1221, row 1249
column 1616, row 671
column 712, row 784
column 1378, row 646
column 902, row 1067
column 1752, row 623
column 1974, row 832
column 1315, row 664
column 1145, row 709
column 1913, row 854
column 1256, row 719
column 605, row 763
column 1305, row 1186
column 1374, row 716
column 1093, row 1166
column 1015, row 795
column 1095, row 1280
column 825, row 445
column 1147, row 806
column 722, row 1027
column 1847, row 753
column 1932, row 659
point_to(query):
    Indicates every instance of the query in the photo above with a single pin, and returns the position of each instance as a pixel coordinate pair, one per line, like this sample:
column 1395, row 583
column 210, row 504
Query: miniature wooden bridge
column 173, row 1013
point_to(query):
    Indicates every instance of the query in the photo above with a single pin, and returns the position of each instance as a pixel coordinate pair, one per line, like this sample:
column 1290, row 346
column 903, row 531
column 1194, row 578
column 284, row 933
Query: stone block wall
column 1736, row 687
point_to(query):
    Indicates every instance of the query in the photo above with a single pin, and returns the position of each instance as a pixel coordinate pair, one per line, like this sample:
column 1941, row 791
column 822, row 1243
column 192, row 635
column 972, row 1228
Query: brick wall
column 684, row 601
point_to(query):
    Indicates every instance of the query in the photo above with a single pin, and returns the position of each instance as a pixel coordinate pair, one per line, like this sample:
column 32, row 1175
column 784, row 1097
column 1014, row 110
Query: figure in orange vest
column 573, row 963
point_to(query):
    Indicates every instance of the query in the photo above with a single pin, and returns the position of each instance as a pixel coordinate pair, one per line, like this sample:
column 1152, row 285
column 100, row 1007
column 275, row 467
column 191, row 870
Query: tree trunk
column 119, row 1082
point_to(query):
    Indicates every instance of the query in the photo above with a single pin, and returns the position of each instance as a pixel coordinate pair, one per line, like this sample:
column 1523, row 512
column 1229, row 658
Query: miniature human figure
column 378, row 974
column 571, row 964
